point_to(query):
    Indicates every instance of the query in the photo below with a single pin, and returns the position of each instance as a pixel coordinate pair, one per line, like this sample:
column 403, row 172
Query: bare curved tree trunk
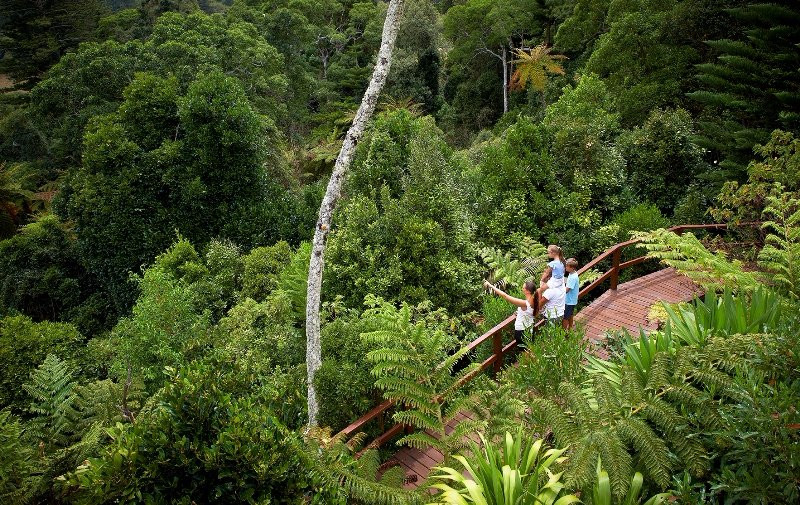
column 332, row 194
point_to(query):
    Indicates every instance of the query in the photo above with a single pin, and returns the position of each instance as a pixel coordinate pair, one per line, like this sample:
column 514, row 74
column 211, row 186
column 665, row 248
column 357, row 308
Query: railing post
column 615, row 267
column 497, row 350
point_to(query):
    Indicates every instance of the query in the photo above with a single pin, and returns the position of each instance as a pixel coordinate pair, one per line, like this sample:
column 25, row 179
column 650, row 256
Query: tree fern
column 412, row 366
column 357, row 479
column 659, row 399
column 526, row 262
column 781, row 253
column 689, row 256
column 51, row 388
column 532, row 67
column 17, row 463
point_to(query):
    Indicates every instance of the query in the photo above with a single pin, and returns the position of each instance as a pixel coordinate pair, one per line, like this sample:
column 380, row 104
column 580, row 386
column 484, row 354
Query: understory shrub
column 203, row 440
column 344, row 382
column 553, row 355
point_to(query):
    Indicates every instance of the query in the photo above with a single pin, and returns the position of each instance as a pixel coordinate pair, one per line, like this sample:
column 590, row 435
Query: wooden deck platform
column 626, row 307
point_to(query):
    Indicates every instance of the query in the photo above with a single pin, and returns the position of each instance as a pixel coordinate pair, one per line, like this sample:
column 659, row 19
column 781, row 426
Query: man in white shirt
column 553, row 300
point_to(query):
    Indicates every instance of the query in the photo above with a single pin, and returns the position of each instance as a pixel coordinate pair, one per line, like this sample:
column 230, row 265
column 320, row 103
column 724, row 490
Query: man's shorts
column 569, row 310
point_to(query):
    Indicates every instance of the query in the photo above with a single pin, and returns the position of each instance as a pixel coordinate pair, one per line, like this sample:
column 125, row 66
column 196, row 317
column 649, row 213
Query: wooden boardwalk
column 626, row 307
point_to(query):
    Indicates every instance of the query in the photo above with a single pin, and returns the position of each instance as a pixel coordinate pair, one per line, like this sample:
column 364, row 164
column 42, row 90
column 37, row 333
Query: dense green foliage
column 161, row 167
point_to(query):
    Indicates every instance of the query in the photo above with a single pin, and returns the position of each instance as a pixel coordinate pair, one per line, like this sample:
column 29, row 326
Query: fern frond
column 653, row 452
column 53, row 401
column 618, row 461
column 417, row 418
column 421, row 440
column 549, row 414
column 690, row 257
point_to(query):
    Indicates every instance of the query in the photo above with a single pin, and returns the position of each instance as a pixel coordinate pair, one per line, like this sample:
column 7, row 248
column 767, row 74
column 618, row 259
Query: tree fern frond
column 689, row 256
column 653, row 451
column 549, row 414
column 421, row 440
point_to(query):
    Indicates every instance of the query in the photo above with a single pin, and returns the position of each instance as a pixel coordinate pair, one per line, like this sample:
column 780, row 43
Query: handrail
column 495, row 334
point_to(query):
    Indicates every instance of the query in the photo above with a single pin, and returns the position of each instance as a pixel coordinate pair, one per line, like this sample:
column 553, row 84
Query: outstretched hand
column 487, row 284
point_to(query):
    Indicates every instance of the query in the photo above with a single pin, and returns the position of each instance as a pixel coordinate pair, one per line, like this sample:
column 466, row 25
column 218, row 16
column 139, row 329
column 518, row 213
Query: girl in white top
column 527, row 308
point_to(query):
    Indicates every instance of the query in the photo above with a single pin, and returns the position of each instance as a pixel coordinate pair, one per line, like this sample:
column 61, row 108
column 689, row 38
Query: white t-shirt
column 524, row 317
column 556, row 298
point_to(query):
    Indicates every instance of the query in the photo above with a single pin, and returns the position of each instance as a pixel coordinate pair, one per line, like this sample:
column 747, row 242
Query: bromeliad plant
column 518, row 473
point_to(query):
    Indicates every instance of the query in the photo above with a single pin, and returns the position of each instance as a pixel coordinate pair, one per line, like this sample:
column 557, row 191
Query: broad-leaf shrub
column 405, row 236
column 515, row 192
column 344, row 382
column 261, row 268
column 164, row 329
column 270, row 351
column 639, row 218
column 41, row 276
column 585, row 159
column 203, row 440
column 127, row 200
column 661, row 158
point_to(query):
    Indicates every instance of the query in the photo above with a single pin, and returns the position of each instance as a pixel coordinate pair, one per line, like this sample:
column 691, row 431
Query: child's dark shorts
column 569, row 310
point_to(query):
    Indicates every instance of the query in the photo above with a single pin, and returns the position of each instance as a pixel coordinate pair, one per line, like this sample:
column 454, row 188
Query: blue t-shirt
column 558, row 269
column 573, row 284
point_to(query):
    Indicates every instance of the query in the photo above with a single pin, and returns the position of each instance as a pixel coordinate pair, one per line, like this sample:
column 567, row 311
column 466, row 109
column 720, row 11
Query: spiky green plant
column 638, row 355
column 601, row 494
column 520, row 472
column 412, row 367
column 781, row 253
column 693, row 324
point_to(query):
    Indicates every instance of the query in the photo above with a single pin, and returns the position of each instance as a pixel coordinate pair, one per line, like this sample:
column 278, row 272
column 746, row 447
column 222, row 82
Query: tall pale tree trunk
column 332, row 194
column 505, row 79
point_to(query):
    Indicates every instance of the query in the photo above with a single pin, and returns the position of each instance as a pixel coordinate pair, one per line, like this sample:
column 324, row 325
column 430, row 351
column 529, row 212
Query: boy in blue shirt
column 573, row 286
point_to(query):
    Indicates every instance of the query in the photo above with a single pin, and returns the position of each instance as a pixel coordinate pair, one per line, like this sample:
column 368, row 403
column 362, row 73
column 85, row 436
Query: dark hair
column 530, row 285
